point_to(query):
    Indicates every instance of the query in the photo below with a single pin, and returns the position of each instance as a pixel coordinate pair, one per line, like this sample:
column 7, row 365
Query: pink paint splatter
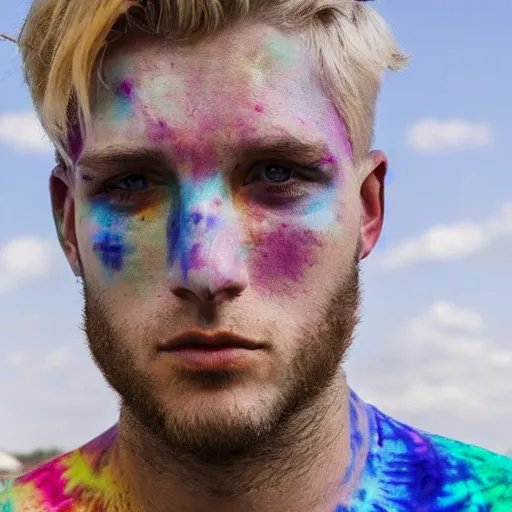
column 196, row 260
column 50, row 481
column 285, row 255
column 159, row 130
column 259, row 108
column 328, row 159
column 348, row 147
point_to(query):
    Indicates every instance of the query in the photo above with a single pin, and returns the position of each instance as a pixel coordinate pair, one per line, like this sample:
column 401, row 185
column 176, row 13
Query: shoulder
column 73, row 481
column 37, row 491
column 476, row 475
column 453, row 475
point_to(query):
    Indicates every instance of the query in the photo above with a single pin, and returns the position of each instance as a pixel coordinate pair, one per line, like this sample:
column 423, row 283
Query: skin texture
column 220, row 194
column 226, row 226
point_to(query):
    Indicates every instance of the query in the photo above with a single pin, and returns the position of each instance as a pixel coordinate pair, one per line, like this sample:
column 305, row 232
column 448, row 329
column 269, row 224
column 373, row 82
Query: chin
column 220, row 423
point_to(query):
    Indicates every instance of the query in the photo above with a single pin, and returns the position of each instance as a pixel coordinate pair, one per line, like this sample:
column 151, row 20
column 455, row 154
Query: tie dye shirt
column 407, row 470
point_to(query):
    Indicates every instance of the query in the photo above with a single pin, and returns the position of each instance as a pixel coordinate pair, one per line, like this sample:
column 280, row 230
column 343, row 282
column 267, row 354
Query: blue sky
column 434, row 348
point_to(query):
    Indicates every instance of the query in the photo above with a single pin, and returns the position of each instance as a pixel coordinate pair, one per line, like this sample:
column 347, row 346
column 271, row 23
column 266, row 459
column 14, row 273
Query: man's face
column 216, row 192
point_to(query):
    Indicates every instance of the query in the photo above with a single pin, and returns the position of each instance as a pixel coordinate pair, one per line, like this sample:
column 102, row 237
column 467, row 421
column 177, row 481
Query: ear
column 372, row 201
column 63, row 205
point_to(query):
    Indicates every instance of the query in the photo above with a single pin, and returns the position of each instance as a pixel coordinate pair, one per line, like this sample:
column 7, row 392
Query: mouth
column 201, row 341
column 203, row 352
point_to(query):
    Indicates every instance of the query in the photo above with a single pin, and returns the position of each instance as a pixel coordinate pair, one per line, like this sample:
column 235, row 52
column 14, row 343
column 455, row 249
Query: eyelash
column 293, row 188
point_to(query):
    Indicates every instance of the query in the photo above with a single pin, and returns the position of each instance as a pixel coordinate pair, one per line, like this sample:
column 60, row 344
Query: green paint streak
column 123, row 109
column 283, row 49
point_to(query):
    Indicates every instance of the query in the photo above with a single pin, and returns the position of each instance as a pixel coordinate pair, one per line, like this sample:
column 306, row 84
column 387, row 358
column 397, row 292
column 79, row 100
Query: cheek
column 283, row 257
column 125, row 249
column 287, row 258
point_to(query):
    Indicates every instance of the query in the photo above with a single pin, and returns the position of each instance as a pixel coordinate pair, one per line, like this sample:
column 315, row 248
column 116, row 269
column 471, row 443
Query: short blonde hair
column 62, row 43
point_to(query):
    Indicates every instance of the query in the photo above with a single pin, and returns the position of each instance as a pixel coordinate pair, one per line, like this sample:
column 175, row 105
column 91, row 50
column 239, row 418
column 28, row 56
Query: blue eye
column 133, row 183
column 271, row 173
column 278, row 173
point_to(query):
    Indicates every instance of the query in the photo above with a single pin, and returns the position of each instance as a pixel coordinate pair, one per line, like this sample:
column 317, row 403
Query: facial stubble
column 314, row 368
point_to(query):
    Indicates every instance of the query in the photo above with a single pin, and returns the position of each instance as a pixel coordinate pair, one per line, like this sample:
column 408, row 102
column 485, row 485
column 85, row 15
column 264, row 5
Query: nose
column 207, row 261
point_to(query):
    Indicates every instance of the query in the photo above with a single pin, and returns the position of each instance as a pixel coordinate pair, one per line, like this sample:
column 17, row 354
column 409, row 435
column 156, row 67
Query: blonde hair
column 62, row 43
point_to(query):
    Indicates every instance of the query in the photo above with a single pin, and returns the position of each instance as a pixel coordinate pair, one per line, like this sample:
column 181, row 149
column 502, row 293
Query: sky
column 434, row 347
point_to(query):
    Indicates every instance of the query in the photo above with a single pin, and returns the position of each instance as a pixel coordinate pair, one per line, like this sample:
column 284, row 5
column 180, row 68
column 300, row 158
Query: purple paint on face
column 196, row 218
column 203, row 159
column 328, row 159
column 159, row 130
column 285, row 254
column 348, row 147
column 75, row 142
column 211, row 222
column 126, row 89
column 195, row 260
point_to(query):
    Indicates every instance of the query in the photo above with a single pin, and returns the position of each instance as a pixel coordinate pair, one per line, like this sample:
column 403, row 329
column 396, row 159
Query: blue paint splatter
column 211, row 222
column 109, row 241
column 111, row 249
column 187, row 220
column 196, row 218
column 321, row 211
column 125, row 95
column 356, row 441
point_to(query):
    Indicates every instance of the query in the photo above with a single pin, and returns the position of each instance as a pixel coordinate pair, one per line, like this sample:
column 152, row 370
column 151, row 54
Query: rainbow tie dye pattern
column 407, row 470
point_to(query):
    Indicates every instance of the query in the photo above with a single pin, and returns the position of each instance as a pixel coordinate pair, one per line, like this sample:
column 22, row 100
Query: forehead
column 247, row 78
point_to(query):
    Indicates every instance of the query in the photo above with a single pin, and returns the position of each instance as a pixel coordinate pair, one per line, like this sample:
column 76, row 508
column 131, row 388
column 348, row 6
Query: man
column 215, row 192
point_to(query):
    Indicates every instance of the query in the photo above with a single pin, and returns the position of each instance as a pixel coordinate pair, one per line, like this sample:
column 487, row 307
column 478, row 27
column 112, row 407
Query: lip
column 202, row 340
column 204, row 352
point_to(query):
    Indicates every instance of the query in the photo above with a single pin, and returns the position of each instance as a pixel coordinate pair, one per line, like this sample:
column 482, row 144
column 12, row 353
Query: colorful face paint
column 108, row 237
column 194, row 226
column 405, row 470
column 125, row 93
column 284, row 256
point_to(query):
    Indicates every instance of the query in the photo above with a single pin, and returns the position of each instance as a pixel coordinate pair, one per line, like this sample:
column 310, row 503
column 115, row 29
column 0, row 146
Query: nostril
column 233, row 291
column 183, row 293
column 226, row 293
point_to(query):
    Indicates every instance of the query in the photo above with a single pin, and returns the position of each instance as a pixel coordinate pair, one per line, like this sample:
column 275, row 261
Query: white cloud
column 22, row 130
column 441, row 372
column 447, row 314
column 451, row 242
column 23, row 259
column 434, row 135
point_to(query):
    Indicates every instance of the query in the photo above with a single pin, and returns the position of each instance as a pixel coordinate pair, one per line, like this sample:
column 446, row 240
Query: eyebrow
column 112, row 159
column 307, row 150
column 115, row 158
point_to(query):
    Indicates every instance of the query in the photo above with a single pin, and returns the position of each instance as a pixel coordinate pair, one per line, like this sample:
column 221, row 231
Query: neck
column 312, row 464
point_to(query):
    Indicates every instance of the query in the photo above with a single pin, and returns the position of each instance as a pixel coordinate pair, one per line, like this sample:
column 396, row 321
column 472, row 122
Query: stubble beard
column 215, row 438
